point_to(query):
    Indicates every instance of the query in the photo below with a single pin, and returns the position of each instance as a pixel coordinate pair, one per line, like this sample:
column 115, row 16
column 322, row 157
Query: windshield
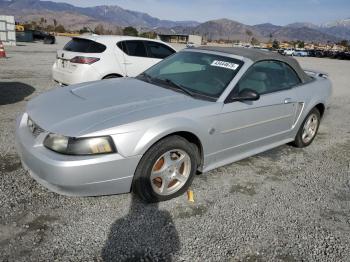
column 199, row 73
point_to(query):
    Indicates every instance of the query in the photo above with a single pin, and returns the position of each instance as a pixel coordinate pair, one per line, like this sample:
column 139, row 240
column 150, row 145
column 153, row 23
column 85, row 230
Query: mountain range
column 226, row 29
column 75, row 18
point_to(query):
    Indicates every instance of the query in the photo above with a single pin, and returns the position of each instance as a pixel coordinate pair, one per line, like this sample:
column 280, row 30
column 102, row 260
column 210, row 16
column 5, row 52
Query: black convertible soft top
column 259, row 55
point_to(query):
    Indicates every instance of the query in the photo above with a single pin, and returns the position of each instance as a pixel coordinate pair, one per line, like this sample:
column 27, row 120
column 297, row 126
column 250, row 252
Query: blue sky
column 251, row 12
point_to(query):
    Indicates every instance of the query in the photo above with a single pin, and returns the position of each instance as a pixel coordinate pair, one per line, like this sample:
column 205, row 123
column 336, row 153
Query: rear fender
column 316, row 92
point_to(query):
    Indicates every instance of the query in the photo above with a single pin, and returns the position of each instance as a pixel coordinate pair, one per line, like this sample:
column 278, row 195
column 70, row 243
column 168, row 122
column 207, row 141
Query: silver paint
column 137, row 115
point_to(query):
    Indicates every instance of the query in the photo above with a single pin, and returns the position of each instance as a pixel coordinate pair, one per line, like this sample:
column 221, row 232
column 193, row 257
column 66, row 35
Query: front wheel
column 308, row 130
column 166, row 170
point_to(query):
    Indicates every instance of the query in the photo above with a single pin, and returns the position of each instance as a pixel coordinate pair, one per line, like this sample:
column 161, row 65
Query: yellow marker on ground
column 190, row 195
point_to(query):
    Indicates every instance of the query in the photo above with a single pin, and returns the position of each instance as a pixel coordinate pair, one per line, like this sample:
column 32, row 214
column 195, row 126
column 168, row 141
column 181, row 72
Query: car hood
column 89, row 107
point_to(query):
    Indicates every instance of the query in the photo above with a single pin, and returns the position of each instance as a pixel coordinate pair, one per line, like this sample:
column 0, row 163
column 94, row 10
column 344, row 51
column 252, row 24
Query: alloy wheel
column 310, row 128
column 170, row 172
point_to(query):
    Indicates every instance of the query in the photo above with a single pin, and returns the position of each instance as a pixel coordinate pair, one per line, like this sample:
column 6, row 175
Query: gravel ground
column 286, row 204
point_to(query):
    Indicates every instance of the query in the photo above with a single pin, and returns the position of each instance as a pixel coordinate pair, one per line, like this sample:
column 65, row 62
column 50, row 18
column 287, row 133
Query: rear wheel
column 308, row 130
column 112, row 76
column 166, row 170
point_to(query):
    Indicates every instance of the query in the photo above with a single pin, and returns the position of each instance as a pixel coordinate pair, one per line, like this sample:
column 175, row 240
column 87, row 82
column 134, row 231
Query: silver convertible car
column 197, row 110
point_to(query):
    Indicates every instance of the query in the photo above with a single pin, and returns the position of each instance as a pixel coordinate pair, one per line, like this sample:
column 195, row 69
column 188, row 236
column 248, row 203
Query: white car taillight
column 84, row 60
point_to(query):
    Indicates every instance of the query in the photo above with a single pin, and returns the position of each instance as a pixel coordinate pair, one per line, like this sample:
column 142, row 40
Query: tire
column 49, row 40
column 303, row 142
column 111, row 76
column 153, row 162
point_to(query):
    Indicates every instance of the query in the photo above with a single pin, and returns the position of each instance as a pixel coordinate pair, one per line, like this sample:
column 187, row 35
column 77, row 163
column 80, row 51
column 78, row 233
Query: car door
column 249, row 127
column 136, row 59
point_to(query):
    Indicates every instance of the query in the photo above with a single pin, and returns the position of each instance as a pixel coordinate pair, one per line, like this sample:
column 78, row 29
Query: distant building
column 265, row 45
column 7, row 30
column 181, row 38
column 310, row 46
column 286, row 45
column 330, row 47
column 338, row 48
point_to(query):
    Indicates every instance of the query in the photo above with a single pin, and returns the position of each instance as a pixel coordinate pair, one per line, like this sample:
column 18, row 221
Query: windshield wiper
column 149, row 79
column 169, row 82
column 180, row 87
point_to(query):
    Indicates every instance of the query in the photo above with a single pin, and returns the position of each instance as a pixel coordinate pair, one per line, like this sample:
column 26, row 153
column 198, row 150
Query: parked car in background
column 190, row 45
column 199, row 109
column 280, row 51
column 343, row 55
column 301, row 53
column 316, row 53
column 313, row 53
column 94, row 57
column 44, row 36
column 289, row 52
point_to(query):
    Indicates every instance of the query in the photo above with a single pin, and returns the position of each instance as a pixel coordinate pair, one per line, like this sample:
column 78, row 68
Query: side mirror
column 246, row 95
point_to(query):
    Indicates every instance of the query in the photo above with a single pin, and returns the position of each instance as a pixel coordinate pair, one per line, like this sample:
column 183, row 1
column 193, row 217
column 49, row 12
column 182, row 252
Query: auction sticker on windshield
column 224, row 64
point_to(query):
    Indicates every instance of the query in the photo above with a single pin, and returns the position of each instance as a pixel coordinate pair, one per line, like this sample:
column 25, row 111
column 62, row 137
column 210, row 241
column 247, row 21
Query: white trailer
column 7, row 30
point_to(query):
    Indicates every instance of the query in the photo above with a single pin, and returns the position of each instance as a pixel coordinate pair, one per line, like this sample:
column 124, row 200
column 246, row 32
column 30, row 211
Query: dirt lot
column 287, row 204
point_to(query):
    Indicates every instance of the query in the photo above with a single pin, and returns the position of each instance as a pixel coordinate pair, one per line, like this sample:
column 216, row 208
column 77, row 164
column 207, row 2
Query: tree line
column 44, row 25
column 99, row 29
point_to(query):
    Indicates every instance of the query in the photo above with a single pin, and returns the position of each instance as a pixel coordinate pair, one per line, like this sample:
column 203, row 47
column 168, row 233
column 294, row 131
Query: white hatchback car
column 94, row 57
column 289, row 52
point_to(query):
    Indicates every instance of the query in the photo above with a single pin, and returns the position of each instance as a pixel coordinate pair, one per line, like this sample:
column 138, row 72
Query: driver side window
column 268, row 76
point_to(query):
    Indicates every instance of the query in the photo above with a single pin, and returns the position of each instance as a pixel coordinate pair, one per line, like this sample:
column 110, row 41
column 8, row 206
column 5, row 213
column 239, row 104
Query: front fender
column 138, row 142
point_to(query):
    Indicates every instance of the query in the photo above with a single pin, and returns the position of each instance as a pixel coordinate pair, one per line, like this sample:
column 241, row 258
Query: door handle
column 287, row 100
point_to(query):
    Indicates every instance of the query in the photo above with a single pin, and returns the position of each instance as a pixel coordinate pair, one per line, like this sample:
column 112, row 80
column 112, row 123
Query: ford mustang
column 197, row 110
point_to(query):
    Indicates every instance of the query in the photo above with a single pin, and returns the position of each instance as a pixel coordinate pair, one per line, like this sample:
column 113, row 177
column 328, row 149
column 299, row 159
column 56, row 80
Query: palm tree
column 55, row 23
column 249, row 34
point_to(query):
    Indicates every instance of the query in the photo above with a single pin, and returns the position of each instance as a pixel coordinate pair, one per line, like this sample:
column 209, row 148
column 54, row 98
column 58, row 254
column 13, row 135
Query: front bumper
column 73, row 175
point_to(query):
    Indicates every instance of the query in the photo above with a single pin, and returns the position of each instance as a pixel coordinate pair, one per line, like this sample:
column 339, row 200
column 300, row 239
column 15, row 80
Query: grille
column 34, row 128
column 37, row 131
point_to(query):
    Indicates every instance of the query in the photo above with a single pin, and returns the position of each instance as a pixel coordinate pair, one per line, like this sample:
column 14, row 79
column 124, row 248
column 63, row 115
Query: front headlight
column 79, row 146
